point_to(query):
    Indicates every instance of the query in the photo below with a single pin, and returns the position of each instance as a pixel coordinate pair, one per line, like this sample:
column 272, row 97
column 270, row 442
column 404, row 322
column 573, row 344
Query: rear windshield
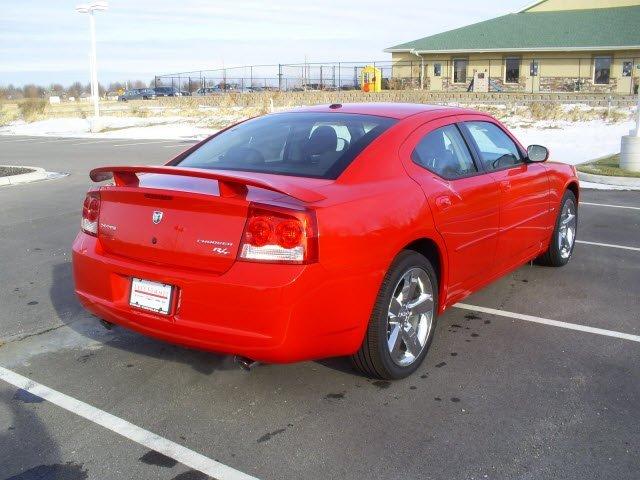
column 319, row 145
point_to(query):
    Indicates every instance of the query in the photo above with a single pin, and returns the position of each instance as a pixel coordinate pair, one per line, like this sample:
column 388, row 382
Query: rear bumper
column 267, row 312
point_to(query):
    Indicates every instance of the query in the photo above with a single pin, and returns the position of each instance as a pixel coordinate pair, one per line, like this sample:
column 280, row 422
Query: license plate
column 150, row 295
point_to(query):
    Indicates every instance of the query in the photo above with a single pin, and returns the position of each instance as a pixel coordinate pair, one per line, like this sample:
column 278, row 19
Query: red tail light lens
column 91, row 213
column 278, row 235
column 289, row 233
column 259, row 231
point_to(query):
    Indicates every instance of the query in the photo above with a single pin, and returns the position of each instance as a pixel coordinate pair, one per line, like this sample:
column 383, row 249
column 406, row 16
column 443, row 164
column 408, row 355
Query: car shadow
column 340, row 364
column 70, row 312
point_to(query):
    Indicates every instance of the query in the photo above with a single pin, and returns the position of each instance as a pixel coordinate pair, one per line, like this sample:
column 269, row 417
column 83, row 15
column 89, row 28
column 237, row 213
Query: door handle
column 505, row 185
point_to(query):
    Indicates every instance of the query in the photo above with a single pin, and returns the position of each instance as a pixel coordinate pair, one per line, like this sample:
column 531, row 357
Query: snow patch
column 575, row 142
column 112, row 127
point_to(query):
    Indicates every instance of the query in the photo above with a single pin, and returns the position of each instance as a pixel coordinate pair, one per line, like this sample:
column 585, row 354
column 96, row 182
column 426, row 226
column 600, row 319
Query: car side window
column 495, row 148
column 444, row 152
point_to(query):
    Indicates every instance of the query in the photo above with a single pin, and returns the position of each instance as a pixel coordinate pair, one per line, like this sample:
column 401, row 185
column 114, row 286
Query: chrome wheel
column 567, row 229
column 410, row 317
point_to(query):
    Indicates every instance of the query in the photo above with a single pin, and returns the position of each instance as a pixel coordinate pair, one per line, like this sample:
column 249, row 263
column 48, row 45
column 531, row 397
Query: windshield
column 319, row 145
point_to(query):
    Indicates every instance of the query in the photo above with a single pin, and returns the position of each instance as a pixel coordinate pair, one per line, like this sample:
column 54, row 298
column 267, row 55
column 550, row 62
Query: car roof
column 392, row 110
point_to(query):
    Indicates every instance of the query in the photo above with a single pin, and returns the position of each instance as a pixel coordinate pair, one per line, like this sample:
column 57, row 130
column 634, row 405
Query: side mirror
column 537, row 153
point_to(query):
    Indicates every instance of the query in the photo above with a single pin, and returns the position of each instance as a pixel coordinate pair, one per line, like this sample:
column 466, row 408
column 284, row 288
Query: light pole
column 630, row 145
column 97, row 5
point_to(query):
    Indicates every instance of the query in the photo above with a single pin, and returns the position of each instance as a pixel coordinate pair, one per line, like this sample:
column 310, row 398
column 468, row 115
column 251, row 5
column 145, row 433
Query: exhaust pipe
column 245, row 363
column 107, row 325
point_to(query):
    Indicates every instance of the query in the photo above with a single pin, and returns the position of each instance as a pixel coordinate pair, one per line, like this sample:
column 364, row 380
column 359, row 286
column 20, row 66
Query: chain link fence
column 289, row 77
column 492, row 75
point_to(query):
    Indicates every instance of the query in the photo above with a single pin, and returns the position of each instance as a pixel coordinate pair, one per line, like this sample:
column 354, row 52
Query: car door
column 524, row 191
column 463, row 200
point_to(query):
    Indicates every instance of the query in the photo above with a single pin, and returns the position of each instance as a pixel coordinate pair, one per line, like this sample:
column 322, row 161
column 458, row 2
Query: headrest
column 241, row 154
column 323, row 139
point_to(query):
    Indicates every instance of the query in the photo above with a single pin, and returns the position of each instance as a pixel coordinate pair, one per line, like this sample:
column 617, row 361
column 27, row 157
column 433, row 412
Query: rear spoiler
column 230, row 184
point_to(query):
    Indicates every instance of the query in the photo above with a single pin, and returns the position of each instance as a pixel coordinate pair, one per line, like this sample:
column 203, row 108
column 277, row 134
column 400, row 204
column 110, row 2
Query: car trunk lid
column 159, row 215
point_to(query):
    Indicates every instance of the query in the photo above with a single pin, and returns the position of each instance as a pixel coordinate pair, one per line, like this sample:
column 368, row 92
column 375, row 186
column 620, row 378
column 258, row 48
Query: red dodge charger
column 339, row 230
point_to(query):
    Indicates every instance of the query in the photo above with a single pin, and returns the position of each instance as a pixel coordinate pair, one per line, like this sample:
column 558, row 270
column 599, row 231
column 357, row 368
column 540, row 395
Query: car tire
column 563, row 239
column 380, row 355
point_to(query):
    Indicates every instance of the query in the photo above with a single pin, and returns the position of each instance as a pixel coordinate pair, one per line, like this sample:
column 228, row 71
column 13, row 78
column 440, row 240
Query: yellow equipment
column 371, row 79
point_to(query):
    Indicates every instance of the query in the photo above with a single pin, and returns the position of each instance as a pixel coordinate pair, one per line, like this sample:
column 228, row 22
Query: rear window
column 319, row 145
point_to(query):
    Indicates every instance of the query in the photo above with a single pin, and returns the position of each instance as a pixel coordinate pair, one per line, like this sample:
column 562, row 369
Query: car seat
column 323, row 142
column 434, row 154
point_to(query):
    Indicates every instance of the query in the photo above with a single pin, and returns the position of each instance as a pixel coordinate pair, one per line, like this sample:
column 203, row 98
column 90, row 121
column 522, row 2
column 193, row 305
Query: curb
column 37, row 174
column 629, row 182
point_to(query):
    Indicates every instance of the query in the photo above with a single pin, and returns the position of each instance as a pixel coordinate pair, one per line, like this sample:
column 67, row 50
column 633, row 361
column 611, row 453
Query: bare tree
column 33, row 91
column 56, row 89
column 11, row 92
column 75, row 90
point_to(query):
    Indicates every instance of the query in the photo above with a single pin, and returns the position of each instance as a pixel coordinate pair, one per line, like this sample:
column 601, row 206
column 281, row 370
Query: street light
column 97, row 5
column 630, row 145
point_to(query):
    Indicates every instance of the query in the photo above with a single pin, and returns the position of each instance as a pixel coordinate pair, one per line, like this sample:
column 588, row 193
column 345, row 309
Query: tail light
column 277, row 235
column 91, row 213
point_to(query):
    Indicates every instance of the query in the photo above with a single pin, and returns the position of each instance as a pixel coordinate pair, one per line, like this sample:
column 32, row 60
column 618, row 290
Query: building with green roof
column 549, row 46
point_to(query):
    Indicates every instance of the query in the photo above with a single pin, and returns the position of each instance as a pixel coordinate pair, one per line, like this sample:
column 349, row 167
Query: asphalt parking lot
column 514, row 387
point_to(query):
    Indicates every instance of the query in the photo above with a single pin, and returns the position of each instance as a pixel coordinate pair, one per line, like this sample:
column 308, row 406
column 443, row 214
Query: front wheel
column 403, row 320
column 563, row 238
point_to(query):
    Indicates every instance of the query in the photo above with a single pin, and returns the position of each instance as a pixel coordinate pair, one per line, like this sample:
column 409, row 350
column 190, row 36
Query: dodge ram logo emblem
column 157, row 217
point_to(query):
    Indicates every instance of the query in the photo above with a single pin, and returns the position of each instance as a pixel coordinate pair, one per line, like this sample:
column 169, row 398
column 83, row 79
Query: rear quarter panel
column 374, row 210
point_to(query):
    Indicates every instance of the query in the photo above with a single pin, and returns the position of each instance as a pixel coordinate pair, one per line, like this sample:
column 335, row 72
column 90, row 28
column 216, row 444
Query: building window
column 627, row 68
column 512, row 70
column 602, row 70
column 460, row 70
column 437, row 69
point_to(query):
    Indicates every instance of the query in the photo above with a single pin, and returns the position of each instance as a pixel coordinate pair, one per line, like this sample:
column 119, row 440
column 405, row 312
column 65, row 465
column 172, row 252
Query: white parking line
column 609, row 245
column 144, row 143
column 19, row 140
column 41, row 139
column 546, row 321
column 53, row 140
column 178, row 145
column 126, row 429
column 609, row 206
column 96, row 141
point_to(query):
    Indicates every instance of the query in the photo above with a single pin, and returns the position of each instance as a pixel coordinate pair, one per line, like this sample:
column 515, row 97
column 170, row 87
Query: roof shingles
column 579, row 29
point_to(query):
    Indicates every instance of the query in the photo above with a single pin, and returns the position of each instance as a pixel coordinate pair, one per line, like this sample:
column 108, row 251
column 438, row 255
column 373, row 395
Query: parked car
column 167, row 91
column 137, row 94
column 203, row 91
column 339, row 230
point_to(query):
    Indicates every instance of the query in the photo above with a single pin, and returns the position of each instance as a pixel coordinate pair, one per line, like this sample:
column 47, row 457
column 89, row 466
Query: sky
column 47, row 41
